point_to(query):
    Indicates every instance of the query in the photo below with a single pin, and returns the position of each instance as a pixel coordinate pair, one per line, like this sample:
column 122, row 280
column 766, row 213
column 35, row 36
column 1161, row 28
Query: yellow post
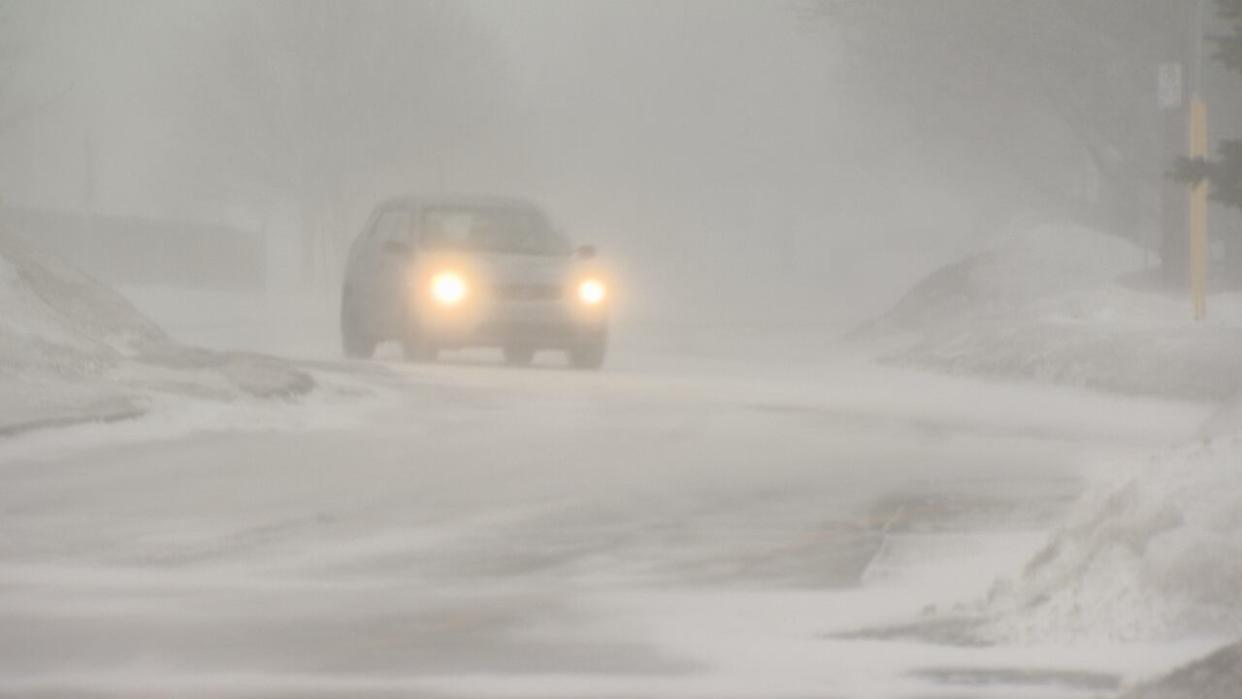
column 1198, row 211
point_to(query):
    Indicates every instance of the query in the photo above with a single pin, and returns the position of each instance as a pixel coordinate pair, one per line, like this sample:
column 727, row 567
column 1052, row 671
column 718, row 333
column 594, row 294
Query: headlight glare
column 449, row 288
column 592, row 292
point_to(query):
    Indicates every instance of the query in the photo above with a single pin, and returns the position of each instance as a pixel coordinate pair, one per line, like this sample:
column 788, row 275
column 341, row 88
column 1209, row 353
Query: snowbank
column 1044, row 303
column 73, row 350
column 1154, row 555
column 1217, row 676
column 54, row 319
column 1022, row 266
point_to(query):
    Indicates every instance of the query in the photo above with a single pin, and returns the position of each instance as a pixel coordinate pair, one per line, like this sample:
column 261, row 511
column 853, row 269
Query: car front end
column 517, row 303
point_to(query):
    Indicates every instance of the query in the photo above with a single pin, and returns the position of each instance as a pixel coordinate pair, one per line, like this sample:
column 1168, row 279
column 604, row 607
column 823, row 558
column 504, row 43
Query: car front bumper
column 534, row 324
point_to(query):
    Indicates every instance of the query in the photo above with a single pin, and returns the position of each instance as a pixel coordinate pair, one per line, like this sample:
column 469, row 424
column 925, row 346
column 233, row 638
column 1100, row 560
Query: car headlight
column 592, row 292
column 449, row 288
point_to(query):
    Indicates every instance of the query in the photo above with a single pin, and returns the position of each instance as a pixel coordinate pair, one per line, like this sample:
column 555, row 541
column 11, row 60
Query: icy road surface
column 662, row 529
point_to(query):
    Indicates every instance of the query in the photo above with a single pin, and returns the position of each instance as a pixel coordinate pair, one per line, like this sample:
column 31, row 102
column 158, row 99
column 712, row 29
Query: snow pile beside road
column 1044, row 303
column 56, row 319
column 1217, row 676
column 1156, row 555
column 73, row 350
column 1021, row 267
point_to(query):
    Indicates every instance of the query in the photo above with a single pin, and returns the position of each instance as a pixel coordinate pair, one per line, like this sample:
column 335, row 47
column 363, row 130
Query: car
column 440, row 273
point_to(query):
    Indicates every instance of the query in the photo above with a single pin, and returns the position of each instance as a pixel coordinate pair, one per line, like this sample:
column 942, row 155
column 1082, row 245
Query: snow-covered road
column 667, row 528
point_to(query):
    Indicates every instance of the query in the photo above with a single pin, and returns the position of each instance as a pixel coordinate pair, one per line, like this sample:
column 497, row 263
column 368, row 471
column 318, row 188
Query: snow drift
column 1154, row 555
column 54, row 319
column 1217, row 676
column 1045, row 302
column 71, row 349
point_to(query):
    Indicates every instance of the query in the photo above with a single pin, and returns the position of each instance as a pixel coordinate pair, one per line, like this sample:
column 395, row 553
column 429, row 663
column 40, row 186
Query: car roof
column 418, row 201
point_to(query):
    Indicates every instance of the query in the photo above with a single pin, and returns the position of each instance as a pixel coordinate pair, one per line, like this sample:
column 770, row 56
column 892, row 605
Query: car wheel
column 354, row 341
column 519, row 355
column 589, row 356
column 417, row 347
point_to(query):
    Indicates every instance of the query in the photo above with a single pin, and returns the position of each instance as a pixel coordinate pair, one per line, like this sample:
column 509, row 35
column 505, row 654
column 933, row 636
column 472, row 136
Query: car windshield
column 491, row 229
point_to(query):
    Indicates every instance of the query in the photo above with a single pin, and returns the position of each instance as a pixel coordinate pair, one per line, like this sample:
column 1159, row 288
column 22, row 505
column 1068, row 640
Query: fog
column 644, row 348
column 706, row 146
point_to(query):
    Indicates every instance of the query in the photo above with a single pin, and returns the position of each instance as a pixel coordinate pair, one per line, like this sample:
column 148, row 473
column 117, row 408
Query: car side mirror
column 397, row 247
column 585, row 252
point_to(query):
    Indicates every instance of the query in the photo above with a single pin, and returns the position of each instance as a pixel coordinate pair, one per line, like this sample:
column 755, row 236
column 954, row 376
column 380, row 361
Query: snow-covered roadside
column 699, row 536
column 72, row 350
column 292, row 325
column 1150, row 554
column 1153, row 555
column 1048, row 303
column 1218, row 676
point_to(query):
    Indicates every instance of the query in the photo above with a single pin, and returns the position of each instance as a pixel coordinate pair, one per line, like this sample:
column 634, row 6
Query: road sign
column 1169, row 85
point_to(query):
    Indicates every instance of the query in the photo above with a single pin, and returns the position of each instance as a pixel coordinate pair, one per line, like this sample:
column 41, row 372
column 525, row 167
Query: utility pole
column 1198, row 142
column 1183, row 219
column 1172, row 99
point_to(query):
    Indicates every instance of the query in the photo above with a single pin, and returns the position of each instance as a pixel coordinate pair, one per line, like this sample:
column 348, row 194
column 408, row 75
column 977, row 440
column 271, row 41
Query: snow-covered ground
column 72, row 350
column 1153, row 552
column 1150, row 551
column 700, row 520
column 656, row 530
column 1217, row 676
column 1051, row 303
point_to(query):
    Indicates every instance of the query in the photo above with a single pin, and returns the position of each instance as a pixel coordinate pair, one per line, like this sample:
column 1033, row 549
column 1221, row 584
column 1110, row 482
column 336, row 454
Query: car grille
column 528, row 292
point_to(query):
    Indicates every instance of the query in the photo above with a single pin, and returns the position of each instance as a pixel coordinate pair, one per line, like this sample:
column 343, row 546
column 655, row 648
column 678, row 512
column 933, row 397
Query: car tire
column 589, row 356
column 519, row 355
column 355, row 342
column 417, row 347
